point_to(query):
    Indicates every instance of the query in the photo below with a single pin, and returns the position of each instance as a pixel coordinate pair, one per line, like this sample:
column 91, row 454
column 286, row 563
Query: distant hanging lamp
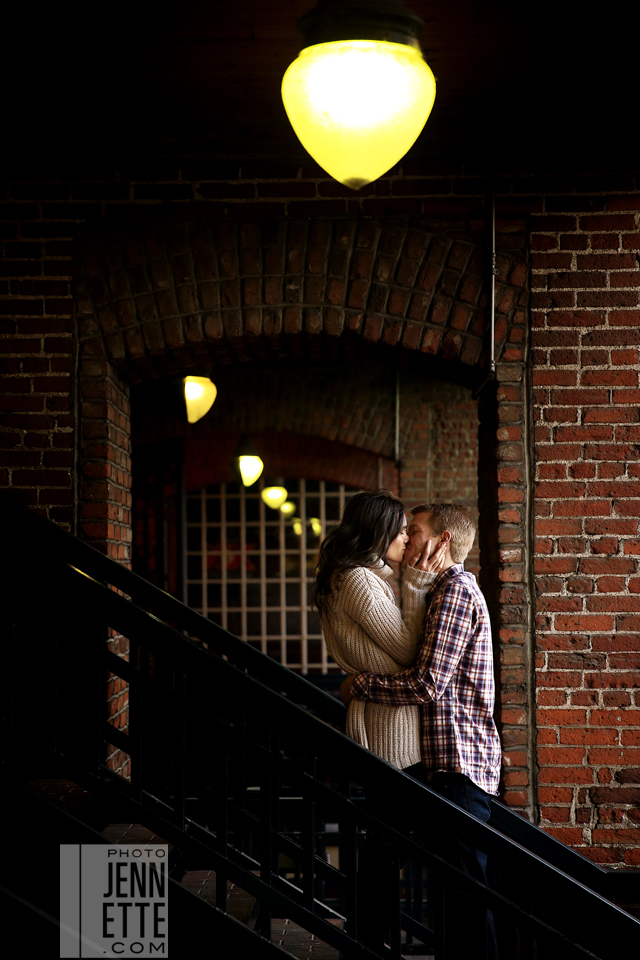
column 274, row 497
column 360, row 92
column 249, row 463
column 199, row 395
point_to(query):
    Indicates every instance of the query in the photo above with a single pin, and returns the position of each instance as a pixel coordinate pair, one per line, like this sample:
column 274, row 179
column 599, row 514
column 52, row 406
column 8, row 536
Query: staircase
column 242, row 767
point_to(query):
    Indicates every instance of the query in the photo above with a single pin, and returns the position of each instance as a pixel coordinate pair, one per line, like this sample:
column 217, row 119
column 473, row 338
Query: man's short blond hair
column 457, row 520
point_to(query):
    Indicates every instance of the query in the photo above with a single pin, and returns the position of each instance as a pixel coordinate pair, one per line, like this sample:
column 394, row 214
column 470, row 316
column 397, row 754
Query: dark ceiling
column 538, row 84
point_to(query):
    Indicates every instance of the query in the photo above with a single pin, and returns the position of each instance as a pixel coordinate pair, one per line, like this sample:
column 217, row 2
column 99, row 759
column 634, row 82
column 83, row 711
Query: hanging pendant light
column 274, row 497
column 250, row 469
column 249, row 463
column 199, row 395
column 360, row 92
column 316, row 526
column 288, row 508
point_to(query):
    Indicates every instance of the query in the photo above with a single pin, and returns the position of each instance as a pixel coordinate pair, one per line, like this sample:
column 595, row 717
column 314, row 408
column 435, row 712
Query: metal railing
column 242, row 765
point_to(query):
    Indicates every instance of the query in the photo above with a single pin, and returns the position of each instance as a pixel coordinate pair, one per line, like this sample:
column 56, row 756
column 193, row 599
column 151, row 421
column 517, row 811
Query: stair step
column 203, row 884
column 299, row 942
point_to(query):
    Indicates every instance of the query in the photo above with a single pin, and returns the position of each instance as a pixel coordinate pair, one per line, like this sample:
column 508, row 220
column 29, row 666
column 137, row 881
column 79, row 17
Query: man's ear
column 445, row 537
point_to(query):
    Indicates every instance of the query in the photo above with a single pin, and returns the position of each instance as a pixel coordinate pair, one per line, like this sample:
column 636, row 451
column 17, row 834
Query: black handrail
column 242, row 749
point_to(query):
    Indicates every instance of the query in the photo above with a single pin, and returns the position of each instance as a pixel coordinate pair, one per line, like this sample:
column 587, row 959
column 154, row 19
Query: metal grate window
column 249, row 568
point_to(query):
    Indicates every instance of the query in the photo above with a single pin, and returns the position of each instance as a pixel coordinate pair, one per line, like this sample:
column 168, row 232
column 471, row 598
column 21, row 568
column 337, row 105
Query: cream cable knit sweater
column 365, row 632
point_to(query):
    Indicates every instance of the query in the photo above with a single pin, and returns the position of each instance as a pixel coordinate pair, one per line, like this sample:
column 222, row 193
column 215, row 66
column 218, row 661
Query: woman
column 362, row 625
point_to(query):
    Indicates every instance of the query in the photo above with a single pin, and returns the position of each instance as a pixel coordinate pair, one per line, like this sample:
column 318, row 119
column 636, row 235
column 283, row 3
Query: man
column 453, row 682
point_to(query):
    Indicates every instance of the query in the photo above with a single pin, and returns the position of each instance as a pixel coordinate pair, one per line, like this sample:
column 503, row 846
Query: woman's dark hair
column 370, row 523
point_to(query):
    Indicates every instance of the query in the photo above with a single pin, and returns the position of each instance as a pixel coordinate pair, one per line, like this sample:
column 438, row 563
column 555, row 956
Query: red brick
column 546, row 223
column 551, row 697
column 579, row 397
column 582, row 508
column 573, row 775
column 613, row 378
column 555, row 814
column 576, row 280
column 555, row 795
column 584, row 433
column 555, row 565
column 613, row 488
column 606, row 261
column 561, row 718
column 558, row 678
column 575, row 318
column 586, row 622
column 555, row 755
column 555, row 378
column 608, row 222
column 604, row 298
column 588, row 736
column 610, row 835
column 606, row 565
column 609, row 415
column 551, row 261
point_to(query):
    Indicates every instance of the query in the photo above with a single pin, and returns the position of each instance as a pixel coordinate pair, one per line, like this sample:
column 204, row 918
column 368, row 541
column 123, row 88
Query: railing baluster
column 218, row 786
column 438, row 906
column 349, row 867
column 267, row 810
column 100, row 692
column 179, row 744
column 136, row 694
column 395, row 920
column 308, row 839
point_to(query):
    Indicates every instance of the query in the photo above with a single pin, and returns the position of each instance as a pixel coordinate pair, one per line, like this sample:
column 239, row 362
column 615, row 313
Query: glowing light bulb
column 274, row 497
column 287, row 508
column 296, row 522
column 250, row 469
column 316, row 526
column 357, row 106
column 199, row 395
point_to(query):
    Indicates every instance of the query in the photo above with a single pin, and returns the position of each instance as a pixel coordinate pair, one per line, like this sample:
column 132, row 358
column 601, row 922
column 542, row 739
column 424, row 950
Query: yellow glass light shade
column 357, row 106
column 287, row 508
column 274, row 497
column 250, row 469
column 199, row 394
column 297, row 526
column 316, row 526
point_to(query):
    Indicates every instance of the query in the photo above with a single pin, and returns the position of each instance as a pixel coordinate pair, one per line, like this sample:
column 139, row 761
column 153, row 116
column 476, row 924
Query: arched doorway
column 156, row 301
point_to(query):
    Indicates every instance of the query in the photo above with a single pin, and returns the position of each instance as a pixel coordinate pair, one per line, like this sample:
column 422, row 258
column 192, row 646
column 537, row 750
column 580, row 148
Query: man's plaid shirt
column 452, row 680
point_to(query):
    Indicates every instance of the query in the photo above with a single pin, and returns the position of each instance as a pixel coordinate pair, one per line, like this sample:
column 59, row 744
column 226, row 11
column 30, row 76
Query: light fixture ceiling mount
column 387, row 20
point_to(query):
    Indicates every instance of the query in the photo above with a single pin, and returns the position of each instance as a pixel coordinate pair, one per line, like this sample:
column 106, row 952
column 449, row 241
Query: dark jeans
column 468, row 933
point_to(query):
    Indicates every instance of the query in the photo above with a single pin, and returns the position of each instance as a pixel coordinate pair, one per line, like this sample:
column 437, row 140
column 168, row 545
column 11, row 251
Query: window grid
column 250, row 572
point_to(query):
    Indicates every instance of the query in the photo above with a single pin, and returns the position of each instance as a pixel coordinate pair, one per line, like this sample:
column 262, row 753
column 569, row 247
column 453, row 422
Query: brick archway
column 158, row 299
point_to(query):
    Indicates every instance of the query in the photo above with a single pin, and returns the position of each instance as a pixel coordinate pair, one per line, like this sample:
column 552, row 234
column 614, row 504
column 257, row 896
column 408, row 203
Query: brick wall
column 586, row 339
column 104, row 448
column 37, row 358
